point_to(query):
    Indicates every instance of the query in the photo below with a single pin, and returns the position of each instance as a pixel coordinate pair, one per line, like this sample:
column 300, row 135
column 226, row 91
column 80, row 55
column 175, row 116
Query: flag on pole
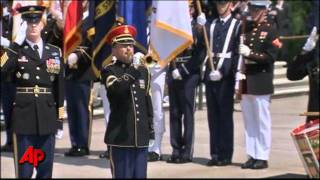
column 72, row 29
column 171, row 31
column 102, row 15
column 133, row 12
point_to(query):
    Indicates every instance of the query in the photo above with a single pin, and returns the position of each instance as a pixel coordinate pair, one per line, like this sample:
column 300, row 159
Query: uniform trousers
column 78, row 97
column 46, row 143
column 257, row 121
column 182, row 107
column 158, row 78
column 8, row 91
column 128, row 162
column 219, row 97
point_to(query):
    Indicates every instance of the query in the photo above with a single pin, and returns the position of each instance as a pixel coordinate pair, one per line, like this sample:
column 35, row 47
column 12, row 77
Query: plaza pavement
column 284, row 160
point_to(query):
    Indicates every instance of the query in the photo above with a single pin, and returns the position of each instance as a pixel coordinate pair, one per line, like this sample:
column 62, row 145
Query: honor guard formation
column 54, row 53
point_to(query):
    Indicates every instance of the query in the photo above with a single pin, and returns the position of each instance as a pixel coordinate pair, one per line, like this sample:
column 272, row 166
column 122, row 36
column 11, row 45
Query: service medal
column 25, row 76
column 18, row 74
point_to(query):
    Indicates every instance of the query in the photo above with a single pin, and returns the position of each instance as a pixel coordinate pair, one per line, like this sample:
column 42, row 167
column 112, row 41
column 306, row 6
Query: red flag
column 72, row 31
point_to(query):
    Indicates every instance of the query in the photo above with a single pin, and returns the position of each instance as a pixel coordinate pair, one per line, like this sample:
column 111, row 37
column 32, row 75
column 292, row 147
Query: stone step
column 279, row 64
column 284, row 82
column 292, row 91
column 280, row 73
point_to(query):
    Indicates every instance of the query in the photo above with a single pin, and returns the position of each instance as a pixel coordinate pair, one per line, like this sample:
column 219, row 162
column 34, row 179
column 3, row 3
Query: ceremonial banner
column 72, row 28
column 102, row 16
column 133, row 12
column 171, row 31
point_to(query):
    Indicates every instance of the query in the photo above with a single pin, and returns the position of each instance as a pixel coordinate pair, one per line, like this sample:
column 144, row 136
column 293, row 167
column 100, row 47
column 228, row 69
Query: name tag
column 23, row 59
column 142, row 84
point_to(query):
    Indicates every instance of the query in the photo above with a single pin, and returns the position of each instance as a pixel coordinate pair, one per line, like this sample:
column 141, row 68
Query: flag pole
column 206, row 38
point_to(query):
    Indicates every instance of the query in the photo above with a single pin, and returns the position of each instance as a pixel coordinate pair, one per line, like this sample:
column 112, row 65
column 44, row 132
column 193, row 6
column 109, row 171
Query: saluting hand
column 311, row 41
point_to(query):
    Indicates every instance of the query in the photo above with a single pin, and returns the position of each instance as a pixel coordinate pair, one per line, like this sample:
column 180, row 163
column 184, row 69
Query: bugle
column 148, row 60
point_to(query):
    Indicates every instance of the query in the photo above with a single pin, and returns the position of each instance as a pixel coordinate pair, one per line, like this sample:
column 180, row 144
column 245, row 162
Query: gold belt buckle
column 36, row 89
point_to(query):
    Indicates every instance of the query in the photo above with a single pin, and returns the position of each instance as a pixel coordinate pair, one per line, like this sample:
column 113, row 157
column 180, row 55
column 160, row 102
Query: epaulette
column 11, row 50
column 108, row 65
column 55, row 47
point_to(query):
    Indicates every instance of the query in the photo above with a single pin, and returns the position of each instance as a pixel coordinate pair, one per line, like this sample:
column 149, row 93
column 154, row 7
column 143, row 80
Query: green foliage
column 299, row 12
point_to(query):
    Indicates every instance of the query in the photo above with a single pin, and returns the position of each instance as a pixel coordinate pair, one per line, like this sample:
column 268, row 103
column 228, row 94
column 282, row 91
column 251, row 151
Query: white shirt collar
column 39, row 44
column 225, row 19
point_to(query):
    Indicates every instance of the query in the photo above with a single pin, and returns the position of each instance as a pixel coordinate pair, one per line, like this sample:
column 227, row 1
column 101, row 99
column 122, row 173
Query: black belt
column 33, row 90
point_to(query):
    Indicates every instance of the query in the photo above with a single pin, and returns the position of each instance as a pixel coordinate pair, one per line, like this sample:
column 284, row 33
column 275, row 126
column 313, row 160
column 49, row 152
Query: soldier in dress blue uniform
column 307, row 62
column 130, row 125
column 8, row 89
column 38, row 106
column 223, row 33
column 183, row 78
column 78, row 94
column 259, row 50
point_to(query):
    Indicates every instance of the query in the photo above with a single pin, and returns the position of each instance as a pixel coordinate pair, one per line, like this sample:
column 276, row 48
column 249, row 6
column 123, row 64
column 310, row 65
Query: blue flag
column 102, row 15
column 133, row 12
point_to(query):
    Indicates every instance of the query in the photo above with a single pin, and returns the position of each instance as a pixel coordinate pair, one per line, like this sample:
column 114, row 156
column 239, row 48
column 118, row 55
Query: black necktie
column 221, row 22
column 35, row 47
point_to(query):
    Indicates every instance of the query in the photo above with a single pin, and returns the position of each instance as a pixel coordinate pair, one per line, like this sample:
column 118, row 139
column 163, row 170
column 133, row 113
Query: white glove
column 59, row 134
column 244, row 50
column 201, row 19
column 4, row 42
column 240, row 76
column 215, row 75
column 151, row 142
column 176, row 74
column 311, row 41
column 72, row 59
column 21, row 35
column 5, row 11
column 137, row 58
